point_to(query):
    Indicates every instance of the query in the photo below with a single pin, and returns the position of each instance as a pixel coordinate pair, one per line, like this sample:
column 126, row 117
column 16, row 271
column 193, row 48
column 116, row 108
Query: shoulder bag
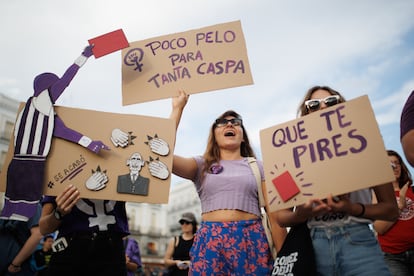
column 265, row 219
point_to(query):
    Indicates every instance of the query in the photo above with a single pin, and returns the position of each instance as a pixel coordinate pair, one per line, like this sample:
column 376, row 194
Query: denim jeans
column 401, row 264
column 348, row 250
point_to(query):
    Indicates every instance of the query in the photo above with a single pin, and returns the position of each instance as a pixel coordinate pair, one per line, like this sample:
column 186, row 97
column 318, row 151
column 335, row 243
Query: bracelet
column 80, row 61
column 15, row 266
column 84, row 141
column 362, row 211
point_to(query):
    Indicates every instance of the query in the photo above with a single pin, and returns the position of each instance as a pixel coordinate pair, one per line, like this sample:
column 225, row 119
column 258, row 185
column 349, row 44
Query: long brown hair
column 212, row 152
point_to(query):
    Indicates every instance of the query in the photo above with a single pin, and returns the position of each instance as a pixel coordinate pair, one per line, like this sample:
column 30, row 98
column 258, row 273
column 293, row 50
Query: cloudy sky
column 356, row 47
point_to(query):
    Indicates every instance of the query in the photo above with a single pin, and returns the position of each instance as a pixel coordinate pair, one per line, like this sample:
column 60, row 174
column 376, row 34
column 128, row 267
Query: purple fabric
column 87, row 52
column 55, row 85
column 21, row 174
column 133, row 252
column 235, row 187
column 21, row 121
column 25, row 173
column 29, row 120
column 58, row 87
column 407, row 116
column 27, row 185
column 43, row 82
column 93, row 215
column 64, row 132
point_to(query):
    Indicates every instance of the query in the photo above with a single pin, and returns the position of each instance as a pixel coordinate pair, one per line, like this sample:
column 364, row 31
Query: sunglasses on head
column 184, row 222
column 315, row 104
column 223, row 122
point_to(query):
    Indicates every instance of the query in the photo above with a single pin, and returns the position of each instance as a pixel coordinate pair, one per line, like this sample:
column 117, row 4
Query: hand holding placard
column 334, row 143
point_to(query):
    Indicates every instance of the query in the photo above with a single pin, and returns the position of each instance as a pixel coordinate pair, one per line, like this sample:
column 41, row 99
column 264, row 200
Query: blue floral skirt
column 231, row 248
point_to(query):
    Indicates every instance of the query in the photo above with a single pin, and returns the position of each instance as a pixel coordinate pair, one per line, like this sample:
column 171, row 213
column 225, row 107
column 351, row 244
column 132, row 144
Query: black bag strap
column 176, row 241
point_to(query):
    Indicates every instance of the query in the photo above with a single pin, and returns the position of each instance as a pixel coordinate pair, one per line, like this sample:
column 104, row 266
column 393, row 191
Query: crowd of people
column 25, row 251
column 92, row 235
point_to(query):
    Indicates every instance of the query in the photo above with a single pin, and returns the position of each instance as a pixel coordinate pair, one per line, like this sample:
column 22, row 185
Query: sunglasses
column 184, row 222
column 223, row 122
column 315, row 104
column 395, row 165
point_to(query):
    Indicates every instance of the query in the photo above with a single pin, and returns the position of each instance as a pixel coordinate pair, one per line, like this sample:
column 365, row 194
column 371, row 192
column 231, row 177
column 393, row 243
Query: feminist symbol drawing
column 134, row 57
column 99, row 212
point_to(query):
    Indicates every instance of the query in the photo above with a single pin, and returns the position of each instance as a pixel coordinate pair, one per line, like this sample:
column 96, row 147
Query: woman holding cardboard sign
column 231, row 239
column 339, row 226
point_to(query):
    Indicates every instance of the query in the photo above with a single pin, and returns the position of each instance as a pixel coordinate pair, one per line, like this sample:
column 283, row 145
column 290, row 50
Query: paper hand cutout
column 158, row 145
column 87, row 52
column 158, row 169
column 97, row 181
column 96, row 146
column 119, row 138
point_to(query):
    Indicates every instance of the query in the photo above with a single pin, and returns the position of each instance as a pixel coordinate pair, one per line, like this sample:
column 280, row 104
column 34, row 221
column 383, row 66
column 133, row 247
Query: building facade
column 183, row 198
column 8, row 112
column 153, row 225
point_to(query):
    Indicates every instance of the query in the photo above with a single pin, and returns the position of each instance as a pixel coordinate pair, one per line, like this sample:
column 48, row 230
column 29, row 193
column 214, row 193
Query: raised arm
column 178, row 104
column 59, row 86
column 183, row 167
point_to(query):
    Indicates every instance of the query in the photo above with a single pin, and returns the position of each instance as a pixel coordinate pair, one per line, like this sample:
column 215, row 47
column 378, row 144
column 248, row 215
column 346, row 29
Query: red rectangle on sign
column 108, row 43
column 286, row 186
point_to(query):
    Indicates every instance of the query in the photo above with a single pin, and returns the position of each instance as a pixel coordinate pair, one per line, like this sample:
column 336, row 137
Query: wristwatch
column 58, row 215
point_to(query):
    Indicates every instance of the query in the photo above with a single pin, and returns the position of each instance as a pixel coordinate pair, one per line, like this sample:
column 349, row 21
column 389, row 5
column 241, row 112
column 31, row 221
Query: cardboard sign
column 108, row 43
column 199, row 60
column 147, row 138
column 333, row 151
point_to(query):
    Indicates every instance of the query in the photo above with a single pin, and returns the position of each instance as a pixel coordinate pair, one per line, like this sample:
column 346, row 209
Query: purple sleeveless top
column 234, row 188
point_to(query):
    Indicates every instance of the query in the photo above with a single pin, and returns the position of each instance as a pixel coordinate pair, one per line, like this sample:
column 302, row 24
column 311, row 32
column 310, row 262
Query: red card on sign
column 286, row 186
column 108, row 43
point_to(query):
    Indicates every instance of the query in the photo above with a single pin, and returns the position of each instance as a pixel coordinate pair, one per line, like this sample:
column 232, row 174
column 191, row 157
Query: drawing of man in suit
column 133, row 183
